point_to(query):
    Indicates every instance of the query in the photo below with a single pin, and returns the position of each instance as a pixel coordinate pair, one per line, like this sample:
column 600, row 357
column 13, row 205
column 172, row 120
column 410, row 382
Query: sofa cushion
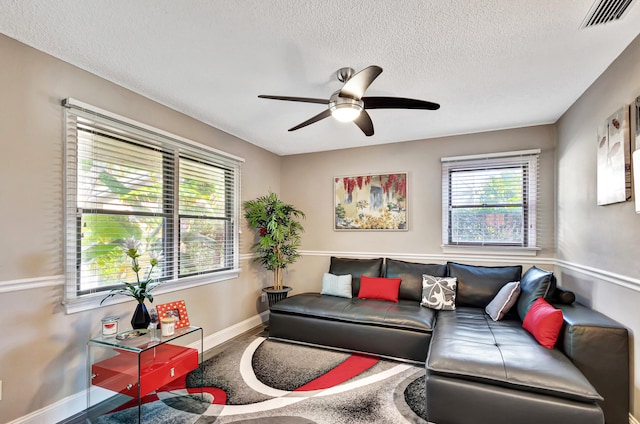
column 411, row 275
column 544, row 322
column 404, row 315
column 336, row 285
column 379, row 288
column 356, row 267
column 478, row 285
column 503, row 301
column 439, row 292
column 468, row 345
column 534, row 283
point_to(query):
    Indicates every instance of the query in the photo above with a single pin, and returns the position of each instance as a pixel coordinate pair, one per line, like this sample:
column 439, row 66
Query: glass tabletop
column 141, row 340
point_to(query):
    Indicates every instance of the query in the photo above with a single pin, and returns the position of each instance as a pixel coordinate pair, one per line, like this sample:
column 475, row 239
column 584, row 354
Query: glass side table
column 122, row 371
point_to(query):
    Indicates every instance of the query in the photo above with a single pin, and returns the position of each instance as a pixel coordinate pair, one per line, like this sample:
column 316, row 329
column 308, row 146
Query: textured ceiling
column 491, row 64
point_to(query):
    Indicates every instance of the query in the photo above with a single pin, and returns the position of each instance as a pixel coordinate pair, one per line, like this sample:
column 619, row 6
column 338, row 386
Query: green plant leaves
column 141, row 290
column 277, row 228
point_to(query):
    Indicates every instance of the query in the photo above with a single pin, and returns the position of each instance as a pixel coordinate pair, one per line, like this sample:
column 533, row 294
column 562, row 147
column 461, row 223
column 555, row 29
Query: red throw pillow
column 379, row 288
column 544, row 322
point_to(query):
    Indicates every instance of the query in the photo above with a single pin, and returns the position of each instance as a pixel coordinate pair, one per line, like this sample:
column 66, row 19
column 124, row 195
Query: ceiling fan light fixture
column 345, row 109
column 346, row 113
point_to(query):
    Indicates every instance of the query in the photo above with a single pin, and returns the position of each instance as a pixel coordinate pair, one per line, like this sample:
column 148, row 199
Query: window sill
column 491, row 250
column 89, row 302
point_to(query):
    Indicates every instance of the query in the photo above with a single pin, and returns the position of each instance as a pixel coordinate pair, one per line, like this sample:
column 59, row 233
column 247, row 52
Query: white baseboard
column 235, row 330
column 57, row 411
column 76, row 403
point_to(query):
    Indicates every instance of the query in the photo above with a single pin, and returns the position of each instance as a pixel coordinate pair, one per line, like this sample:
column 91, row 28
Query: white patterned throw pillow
column 439, row 292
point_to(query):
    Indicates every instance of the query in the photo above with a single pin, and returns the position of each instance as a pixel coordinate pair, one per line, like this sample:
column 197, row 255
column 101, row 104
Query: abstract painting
column 371, row 202
column 614, row 158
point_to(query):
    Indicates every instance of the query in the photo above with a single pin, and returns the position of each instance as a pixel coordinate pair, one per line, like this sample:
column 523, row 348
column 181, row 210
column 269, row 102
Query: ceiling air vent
column 604, row 11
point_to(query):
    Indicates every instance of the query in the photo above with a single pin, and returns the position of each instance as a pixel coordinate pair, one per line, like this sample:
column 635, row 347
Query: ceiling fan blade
column 397, row 103
column 295, row 99
column 358, row 84
column 324, row 114
column 363, row 121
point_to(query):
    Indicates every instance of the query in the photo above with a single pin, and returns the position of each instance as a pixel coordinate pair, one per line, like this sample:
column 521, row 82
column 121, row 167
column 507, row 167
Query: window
column 490, row 200
column 123, row 180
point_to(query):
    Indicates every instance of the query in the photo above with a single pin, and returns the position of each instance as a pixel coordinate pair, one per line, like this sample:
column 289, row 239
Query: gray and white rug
column 255, row 380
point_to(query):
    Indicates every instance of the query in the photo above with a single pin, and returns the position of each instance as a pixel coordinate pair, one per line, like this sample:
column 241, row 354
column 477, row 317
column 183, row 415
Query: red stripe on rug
column 351, row 367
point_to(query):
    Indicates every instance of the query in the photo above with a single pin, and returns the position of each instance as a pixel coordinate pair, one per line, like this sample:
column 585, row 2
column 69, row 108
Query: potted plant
column 278, row 231
column 141, row 289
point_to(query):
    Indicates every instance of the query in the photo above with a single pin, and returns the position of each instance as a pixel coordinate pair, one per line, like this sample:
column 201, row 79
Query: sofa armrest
column 599, row 347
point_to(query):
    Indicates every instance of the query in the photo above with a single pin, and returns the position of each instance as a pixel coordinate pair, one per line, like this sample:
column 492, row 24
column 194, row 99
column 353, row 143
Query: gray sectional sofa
column 477, row 370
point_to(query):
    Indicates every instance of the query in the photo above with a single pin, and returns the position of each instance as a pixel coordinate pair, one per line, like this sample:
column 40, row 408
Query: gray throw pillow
column 503, row 301
column 336, row 285
column 439, row 292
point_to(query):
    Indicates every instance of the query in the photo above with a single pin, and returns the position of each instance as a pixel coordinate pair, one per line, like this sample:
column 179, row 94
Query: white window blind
column 123, row 180
column 490, row 200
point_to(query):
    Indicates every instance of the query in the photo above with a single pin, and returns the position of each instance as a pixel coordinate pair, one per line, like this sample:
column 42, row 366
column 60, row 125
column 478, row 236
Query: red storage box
column 158, row 367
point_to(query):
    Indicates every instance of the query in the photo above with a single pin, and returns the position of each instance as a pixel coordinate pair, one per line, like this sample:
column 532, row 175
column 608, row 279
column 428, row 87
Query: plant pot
column 274, row 296
column 140, row 318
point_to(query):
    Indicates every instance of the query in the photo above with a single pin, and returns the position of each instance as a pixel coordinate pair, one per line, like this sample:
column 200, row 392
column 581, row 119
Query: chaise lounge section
column 399, row 330
column 484, row 364
column 477, row 369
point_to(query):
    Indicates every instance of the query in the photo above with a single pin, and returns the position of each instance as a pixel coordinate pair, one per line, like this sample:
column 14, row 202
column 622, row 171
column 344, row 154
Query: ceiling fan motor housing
column 345, row 109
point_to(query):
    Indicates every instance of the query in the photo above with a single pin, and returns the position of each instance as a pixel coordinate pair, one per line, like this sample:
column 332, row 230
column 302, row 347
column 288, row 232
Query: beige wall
column 42, row 349
column 598, row 246
column 307, row 181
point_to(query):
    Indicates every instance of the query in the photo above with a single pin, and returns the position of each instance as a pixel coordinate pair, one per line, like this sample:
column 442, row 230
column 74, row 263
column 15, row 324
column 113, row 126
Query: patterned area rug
column 255, row 380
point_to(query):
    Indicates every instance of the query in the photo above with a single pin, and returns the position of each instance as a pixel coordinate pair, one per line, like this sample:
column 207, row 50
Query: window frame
column 525, row 159
column 173, row 148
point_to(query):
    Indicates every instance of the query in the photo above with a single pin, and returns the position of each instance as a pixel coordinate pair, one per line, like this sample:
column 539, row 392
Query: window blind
column 125, row 180
column 490, row 200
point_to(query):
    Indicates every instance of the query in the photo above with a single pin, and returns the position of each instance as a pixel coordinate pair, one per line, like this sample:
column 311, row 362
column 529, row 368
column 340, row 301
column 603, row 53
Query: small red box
column 158, row 367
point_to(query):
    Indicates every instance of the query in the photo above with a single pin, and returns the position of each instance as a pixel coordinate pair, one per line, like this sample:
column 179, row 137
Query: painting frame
column 636, row 157
column 177, row 308
column 637, row 129
column 614, row 159
column 371, row 202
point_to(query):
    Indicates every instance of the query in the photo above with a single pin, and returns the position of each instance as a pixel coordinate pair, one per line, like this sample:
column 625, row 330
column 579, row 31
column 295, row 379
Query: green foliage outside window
column 489, row 212
column 130, row 205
